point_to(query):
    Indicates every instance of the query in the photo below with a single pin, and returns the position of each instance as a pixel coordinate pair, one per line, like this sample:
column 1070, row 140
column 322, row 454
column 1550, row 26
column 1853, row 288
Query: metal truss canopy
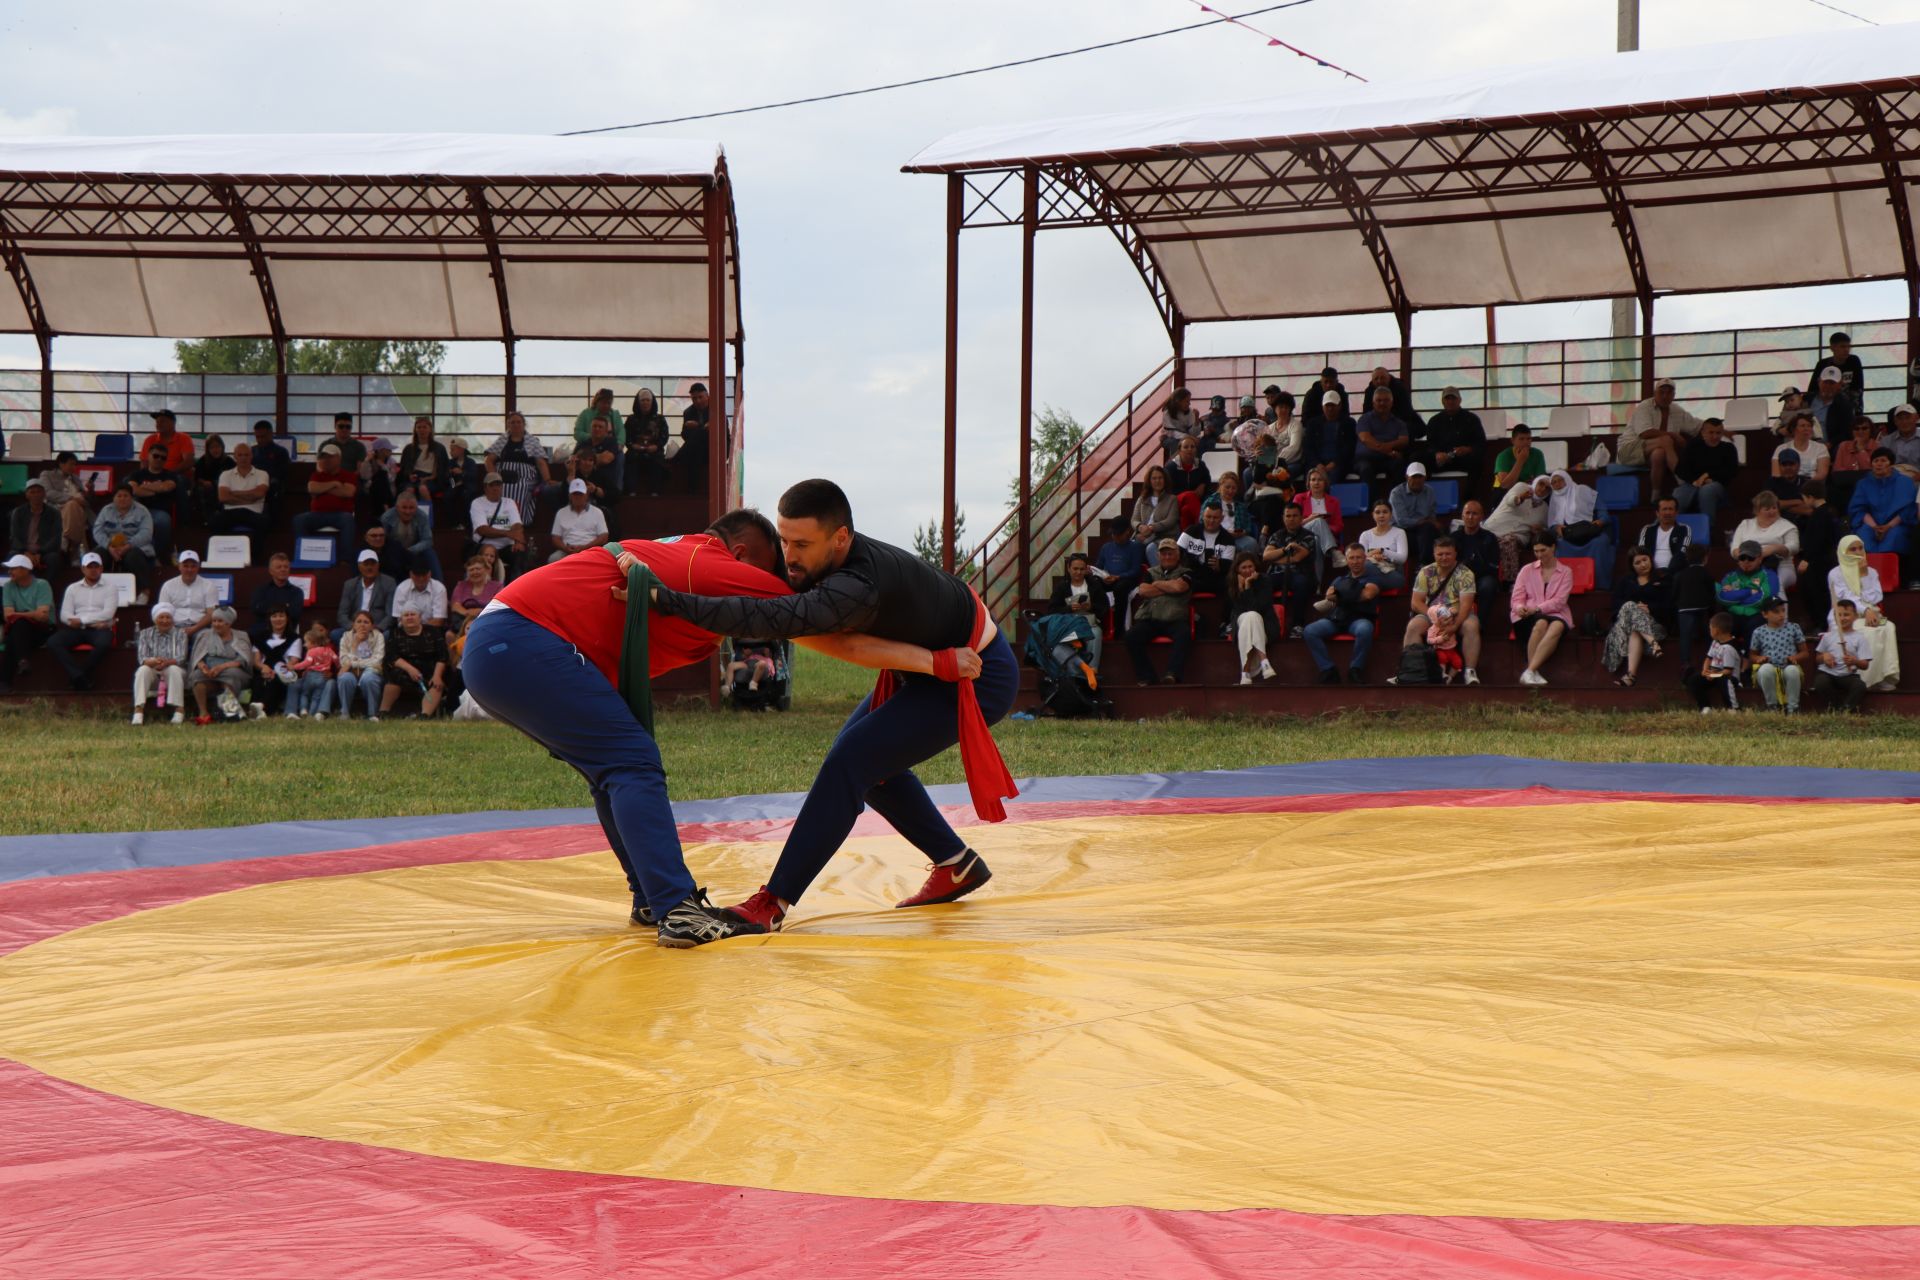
column 1764, row 163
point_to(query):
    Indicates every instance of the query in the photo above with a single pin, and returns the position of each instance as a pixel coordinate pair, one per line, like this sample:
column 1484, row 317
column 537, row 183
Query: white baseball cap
column 1830, row 374
column 92, row 557
column 187, row 555
column 367, row 555
column 1905, row 408
column 1332, row 397
column 1416, row 468
column 19, row 562
column 577, row 486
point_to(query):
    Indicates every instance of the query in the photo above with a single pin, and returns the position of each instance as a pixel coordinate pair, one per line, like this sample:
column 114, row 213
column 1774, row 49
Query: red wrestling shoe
column 951, row 882
column 761, row 909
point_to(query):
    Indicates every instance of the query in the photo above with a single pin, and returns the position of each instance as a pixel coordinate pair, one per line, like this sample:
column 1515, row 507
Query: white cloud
column 39, row 122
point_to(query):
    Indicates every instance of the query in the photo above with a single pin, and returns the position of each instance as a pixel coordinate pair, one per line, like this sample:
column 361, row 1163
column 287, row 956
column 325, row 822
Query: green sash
column 636, row 683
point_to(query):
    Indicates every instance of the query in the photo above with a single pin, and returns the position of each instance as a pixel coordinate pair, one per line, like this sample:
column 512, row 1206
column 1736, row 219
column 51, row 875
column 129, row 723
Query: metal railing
column 1526, row 379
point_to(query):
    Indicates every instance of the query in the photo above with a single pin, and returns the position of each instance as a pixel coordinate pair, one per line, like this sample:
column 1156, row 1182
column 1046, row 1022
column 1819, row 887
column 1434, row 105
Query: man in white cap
column 26, row 618
column 1904, row 441
column 1416, row 510
column 1656, row 431
column 1831, row 407
column 495, row 521
column 191, row 596
column 1331, row 438
column 578, row 525
column 372, row 591
column 86, row 618
column 162, row 649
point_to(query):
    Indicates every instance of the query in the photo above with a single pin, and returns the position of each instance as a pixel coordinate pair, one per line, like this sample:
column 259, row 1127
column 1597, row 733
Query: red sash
column 988, row 781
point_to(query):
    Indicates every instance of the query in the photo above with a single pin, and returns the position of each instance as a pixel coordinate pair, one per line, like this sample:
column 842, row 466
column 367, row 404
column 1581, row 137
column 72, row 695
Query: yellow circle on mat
column 1635, row 1011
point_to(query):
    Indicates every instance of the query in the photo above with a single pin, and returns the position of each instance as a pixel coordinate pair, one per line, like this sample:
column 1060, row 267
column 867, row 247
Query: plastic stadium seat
column 309, row 554
column 1887, row 565
column 1569, row 420
column 1619, row 493
column 30, row 446
column 1353, row 496
column 1582, row 567
column 1749, row 413
column 13, row 478
column 1446, row 496
column 1697, row 528
column 1553, row 453
column 124, row 588
column 310, row 585
column 113, row 448
column 1496, row 423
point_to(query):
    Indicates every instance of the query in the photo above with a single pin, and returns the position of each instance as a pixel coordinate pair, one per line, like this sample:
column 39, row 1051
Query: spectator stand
column 1556, row 182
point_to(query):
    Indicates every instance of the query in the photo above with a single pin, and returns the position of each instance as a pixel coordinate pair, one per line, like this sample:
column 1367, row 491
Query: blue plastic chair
column 113, row 448
column 1446, row 496
column 301, row 560
column 1698, row 530
column 1619, row 493
column 1353, row 496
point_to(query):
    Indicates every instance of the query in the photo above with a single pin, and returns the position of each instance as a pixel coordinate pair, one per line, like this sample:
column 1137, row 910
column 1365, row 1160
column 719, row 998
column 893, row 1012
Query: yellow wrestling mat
column 1635, row 1011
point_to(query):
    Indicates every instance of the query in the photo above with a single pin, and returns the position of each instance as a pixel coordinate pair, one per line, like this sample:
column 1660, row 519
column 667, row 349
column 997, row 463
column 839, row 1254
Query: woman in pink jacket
column 1539, row 609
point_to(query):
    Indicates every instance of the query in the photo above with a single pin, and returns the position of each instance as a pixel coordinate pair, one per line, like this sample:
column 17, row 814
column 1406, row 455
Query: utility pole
column 1624, row 325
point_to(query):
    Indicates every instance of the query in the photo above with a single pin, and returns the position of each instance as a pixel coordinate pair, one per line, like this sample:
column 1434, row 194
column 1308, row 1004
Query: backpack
column 1418, row 665
column 1594, row 625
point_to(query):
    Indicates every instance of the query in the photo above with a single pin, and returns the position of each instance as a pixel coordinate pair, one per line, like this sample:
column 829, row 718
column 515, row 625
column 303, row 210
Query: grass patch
column 92, row 772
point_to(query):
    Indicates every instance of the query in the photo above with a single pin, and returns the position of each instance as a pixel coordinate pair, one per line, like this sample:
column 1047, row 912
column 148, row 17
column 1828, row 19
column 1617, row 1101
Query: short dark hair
column 698, row 386
column 1839, row 337
column 1664, row 500
column 340, row 416
column 1882, row 452
column 1814, row 489
column 1521, row 427
column 1284, row 398
column 741, row 519
column 1545, row 540
column 1722, row 621
column 1445, row 541
column 1078, row 555
column 821, row 500
column 1697, row 553
column 1712, row 422
column 65, row 456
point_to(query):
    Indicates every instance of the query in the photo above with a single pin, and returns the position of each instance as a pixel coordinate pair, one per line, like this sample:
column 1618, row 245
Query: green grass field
column 93, row 772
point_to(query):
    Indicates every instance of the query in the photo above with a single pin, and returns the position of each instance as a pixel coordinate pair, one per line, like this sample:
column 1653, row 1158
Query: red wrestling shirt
column 573, row 598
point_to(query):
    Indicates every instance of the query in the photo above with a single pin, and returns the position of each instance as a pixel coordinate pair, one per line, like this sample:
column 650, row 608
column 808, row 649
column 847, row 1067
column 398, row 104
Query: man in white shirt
column 86, row 618
column 243, row 501
column 1654, row 435
column 495, row 521
column 421, row 594
column 1666, row 538
column 578, row 525
column 191, row 596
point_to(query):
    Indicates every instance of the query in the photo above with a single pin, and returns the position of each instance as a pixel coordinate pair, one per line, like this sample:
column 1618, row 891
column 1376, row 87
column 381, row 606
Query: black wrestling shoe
column 697, row 921
column 642, row 913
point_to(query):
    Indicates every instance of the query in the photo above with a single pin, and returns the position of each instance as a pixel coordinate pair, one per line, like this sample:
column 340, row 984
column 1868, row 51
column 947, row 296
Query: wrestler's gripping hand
column 967, row 663
column 627, row 561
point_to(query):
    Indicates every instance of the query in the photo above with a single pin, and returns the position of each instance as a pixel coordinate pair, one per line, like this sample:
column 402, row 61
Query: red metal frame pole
column 1406, row 347
column 1029, row 225
column 1646, row 346
column 46, row 385
column 1179, row 350
column 948, row 499
column 716, row 349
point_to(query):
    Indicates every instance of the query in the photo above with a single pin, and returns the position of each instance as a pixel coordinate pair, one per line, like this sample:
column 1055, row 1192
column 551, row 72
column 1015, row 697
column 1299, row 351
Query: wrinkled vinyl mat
column 1406, row 1019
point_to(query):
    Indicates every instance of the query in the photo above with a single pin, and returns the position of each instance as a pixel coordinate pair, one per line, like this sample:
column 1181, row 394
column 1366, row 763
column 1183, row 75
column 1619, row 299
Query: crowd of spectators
column 1267, row 530
column 392, row 641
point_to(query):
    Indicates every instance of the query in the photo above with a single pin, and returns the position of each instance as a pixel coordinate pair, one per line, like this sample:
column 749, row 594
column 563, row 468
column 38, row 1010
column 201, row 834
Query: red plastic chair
column 1582, row 567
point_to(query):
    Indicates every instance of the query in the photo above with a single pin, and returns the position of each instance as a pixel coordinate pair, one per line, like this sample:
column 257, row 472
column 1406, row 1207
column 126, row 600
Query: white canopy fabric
column 1740, row 165
column 362, row 236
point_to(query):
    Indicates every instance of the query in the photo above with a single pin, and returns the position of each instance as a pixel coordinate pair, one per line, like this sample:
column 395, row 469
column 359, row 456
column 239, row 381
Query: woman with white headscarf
column 1522, row 513
column 1574, row 515
column 1856, row 580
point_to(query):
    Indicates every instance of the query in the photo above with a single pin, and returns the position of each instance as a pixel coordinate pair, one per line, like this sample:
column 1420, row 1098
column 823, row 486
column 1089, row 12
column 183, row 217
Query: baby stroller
column 1064, row 688
column 775, row 691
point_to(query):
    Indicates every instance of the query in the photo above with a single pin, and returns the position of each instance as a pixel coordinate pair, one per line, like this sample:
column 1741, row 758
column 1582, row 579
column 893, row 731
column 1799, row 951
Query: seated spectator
column 176, row 449
column 363, row 662
column 26, row 618
column 1454, row 439
column 65, row 494
column 1655, row 433
column 86, row 619
column 1444, row 610
column 240, row 497
column 1386, row 548
column 316, row 668
column 1815, row 461
column 1694, row 600
column 1777, row 649
column 1666, row 539
column 270, row 456
column 370, row 593
column 425, row 470
column 332, row 494
column 1179, row 421
column 692, row 460
column 1883, row 507
column 1853, row 579
column 464, row 479
column 1314, row 403
column 1320, row 512
column 1787, row 485
column 1331, row 437
column 1382, row 440
column 1539, row 608
column 1161, row 609
column 1351, row 606
column 1641, row 600
column 578, row 526
column 1845, row 655
column 1742, row 591
column 162, row 651
column 207, row 470
column 1120, row 563
column 1791, row 402
column 394, row 558
column 34, row 531
column 1416, row 512
column 1519, row 462
column 1830, row 406
column 1255, row 436
column 380, row 475
column 1821, row 529
column 1575, row 517
column 1852, row 459
column 520, row 460
column 1848, row 373
column 1479, row 550
column 1904, row 442
column 348, row 452
column 1381, row 380
column 597, row 462
column 193, row 598
column 1249, row 412
column 277, row 653
column 1274, row 463
column 1236, row 518
column 1081, row 593
column 1717, row 682
column 600, row 409
column 1293, row 558
column 646, row 469
column 1250, row 616
column 157, row 489
column 420, row 593
column 1778, row 539
column 124, row 533
column 416, row 661
column 1208, row 549
column 495, row 521
column 223, row 667
column 1213, row 423
column 470, row 595
column 1708, row 464
column 1188, row 474
column 410, row 532
column 1156, row 512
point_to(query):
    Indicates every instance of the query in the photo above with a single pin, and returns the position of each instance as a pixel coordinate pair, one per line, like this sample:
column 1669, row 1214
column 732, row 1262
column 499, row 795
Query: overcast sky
column 842, row 253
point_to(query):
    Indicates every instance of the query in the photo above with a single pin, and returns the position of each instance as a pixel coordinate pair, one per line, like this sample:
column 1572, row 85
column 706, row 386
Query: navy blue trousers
column 528, row 677
column 871, row 763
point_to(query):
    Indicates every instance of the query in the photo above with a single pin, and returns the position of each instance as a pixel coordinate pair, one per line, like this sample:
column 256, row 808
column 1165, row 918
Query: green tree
column 926, row 539
column 317, row 356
